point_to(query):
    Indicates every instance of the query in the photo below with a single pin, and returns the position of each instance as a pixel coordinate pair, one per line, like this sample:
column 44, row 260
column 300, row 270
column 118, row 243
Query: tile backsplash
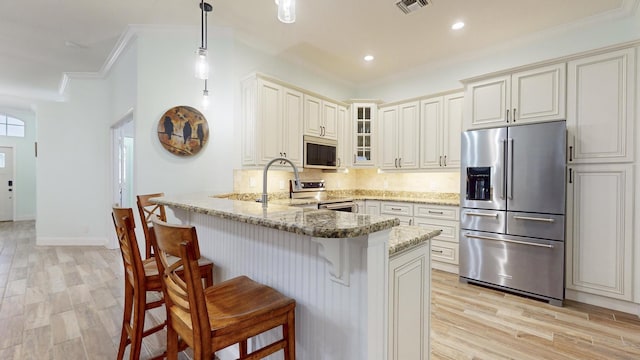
column 250, row 181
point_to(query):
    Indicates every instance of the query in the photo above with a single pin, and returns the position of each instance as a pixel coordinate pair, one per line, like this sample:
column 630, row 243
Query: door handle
column 445, row 160
column 514, row 115
column 395, row 163
column 510, row 183
column 549, row 246
column 507, row 115
column 437, row 251
column 440, row 162
column 503, row 175
column 534, row 219
column 400, row 162
column 494, row 215
column 440, row 212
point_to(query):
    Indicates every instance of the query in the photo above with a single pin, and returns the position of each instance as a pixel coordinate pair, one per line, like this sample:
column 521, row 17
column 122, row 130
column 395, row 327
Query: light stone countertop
column 311, row 222
column 405, row 237
column 429, row 198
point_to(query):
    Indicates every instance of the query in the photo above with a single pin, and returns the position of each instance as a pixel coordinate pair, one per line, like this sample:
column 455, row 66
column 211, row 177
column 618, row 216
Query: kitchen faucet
column 264, row 178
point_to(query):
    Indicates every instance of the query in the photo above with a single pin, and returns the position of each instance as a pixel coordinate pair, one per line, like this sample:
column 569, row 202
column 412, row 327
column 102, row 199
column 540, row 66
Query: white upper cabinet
column 399, row 136
column 600, row 108
column 271, row 116
column 320, row 117
column 344, row 138
column 440, row 131
column 363, row 130
column 519, row 98
column 430, row 131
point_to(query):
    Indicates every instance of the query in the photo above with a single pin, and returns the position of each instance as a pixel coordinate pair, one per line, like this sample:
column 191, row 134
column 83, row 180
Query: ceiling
column 41, row 39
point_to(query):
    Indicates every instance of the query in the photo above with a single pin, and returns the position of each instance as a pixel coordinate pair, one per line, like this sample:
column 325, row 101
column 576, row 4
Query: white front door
column 6, row 184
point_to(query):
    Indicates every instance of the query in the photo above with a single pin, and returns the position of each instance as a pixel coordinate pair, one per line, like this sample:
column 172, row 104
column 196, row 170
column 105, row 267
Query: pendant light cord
column 202, row 31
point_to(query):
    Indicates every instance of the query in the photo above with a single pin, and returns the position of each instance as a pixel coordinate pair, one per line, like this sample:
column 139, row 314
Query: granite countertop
column 311, row 222
column 405, row 237
column 431, row 198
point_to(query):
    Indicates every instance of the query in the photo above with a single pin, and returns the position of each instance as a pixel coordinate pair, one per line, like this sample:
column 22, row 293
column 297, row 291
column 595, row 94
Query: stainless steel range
column 512, row 217
column 315, row 190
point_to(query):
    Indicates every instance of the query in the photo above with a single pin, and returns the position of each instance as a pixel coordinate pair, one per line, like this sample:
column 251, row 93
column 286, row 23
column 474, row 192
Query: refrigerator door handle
column 510, row 181
column 549, row 246
column 495, row 215
column 533, row 219
column 503, row 176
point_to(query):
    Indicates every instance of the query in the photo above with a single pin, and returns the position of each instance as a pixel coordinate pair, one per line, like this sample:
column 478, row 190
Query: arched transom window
column 10, row 126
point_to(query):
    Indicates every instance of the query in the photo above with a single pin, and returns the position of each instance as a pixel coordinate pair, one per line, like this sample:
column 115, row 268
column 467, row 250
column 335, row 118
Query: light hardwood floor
column 66, row 303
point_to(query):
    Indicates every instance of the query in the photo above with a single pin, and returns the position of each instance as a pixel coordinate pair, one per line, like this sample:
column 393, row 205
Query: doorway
column 6, row 184
column 123, row 141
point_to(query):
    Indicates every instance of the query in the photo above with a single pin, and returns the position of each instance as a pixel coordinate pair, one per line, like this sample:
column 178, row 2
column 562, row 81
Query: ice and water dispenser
column 478, row 183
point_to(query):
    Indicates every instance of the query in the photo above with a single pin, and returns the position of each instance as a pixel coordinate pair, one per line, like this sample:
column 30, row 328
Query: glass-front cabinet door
column 364, row 120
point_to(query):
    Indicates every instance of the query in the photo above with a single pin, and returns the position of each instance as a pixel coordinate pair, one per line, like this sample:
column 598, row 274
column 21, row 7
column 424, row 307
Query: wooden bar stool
column 140, row 276
column 227, row 313
column 149, row 211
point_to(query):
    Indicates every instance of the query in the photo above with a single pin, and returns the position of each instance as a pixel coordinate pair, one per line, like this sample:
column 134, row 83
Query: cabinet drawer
column 436, row 212
column 450, row 229
column 393, row 208
column 443, row 251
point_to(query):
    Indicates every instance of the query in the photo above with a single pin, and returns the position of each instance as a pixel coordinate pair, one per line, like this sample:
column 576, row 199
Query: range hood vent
column 409, row 6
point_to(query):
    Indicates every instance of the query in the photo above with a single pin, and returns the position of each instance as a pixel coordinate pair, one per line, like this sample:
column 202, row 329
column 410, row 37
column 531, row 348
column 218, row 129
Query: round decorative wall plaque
column 183, row 130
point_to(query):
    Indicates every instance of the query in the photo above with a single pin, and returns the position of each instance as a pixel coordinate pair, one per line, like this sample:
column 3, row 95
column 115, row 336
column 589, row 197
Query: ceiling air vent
column 409, row 6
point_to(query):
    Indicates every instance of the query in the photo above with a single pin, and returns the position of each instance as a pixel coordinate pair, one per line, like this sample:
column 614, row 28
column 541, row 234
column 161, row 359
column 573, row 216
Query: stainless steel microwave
column 320, row 153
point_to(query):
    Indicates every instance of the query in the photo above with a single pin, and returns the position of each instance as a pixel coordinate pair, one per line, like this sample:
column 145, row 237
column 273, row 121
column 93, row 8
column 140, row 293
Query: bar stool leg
column 126, row 318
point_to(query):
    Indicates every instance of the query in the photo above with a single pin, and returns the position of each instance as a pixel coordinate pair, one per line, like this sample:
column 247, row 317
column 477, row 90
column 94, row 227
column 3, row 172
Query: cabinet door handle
column 507, row 115
column 396, row 209
column 410, row 221
column 395, row 162
column 437, row 251
column 571, row 153
column 436, row 212
column 440, row 161
column 280, row 154
column 400, row 162
column 445, row 160
column 570, row 176
column 285, row 154
column 514, row 114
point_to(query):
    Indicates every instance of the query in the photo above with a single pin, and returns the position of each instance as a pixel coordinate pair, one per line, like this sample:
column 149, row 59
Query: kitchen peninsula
column 335, row 264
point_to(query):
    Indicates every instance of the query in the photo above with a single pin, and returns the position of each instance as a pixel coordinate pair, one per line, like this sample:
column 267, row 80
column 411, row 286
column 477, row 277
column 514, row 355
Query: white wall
column 25, row 164
column 72, row 167
column 446, row 75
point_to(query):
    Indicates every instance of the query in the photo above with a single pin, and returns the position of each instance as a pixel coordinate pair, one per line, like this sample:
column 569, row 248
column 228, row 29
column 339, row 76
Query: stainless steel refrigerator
column 512, row 217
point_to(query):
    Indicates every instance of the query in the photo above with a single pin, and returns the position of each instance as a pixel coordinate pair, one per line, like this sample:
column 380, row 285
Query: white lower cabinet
column 600, row 230
column 372, row 207
column 444, row 248
column 401, row 210
column 409, row 304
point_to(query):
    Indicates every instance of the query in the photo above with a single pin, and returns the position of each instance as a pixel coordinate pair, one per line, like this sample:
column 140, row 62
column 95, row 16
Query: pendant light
column 202, row 63
column 205, row 96
column 286, row 11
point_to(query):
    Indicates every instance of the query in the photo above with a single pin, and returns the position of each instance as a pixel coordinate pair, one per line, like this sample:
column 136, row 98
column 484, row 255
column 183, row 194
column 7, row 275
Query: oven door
column 343, row 206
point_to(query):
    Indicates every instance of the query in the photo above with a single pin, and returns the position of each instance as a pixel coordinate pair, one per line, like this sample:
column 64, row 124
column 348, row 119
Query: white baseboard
column 69, row 241
column 25, row 218
column 602, row 301
column 450, row 268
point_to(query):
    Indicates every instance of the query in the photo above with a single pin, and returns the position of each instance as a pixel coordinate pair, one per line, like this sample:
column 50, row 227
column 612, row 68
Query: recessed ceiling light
column 457, row 26
column 368, row 58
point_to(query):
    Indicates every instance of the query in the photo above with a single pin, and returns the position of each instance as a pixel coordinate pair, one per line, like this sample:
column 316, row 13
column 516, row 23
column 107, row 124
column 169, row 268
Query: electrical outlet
column 252, row 182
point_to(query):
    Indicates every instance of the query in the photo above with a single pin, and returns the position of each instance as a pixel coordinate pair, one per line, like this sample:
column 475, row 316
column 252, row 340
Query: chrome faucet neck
column 264, row 178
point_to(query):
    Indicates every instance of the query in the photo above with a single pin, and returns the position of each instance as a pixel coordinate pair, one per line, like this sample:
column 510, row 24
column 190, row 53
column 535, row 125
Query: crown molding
column 127, row 38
